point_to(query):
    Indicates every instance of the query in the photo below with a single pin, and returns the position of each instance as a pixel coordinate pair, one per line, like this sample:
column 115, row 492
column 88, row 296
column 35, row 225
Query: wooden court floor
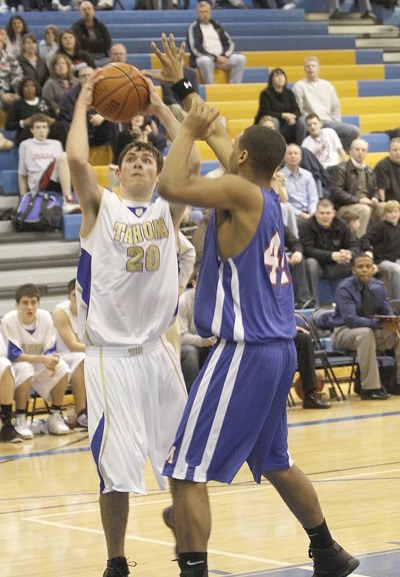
column 50, row 523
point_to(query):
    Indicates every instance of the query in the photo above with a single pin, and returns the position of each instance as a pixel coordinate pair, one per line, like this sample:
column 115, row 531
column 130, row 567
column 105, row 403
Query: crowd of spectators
column 334, row 207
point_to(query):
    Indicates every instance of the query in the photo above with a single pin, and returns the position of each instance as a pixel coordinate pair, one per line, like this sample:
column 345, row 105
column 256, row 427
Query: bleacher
column 368, row 88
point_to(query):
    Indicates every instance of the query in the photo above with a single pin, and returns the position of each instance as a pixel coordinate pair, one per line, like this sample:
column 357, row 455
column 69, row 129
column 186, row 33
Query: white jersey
column 127, row 281
column 20, row 340
column 73, row 323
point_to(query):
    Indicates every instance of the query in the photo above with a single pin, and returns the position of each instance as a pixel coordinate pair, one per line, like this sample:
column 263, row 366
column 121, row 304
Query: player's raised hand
column 200, row 119
column 155, row 101
column 86, row 93
column 171, row 60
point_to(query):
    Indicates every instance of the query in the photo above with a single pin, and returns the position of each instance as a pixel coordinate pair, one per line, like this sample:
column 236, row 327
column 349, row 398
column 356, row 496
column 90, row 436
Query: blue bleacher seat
column 9, row 182
column 351, row 119
column 71, row 226
column 208, row 165
column 378, row 88
column 378, row 142
column 9, row 159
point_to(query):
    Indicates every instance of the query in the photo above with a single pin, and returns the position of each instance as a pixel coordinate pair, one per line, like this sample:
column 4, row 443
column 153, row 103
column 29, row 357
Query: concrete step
column 51, row 280
column 371, row 31
column 391, row 57
column 38, row 254
column 384, row 43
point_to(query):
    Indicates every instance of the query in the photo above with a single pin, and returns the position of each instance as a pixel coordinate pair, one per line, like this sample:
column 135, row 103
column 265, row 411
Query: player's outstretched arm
column 82, row 174
column 171, row 60
column 176, row 184
column 172, row 126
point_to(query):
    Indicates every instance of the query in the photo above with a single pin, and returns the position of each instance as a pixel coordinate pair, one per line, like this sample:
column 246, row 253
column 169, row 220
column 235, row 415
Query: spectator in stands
column 141, row 129
column 92, row 34
column 16, row 28
column 117, row 52
column 20, row 113
column 71, row 350
column 195, row 348
column 364, row 7
column 387, row 173
column 358, row 299
column 30, row 339
column 48, row 46
column 211, row 47
column 61, row 79
column 98, row 127
column 294, row 254
column 353, row 186
column 40, row 155
column 383, row 240
column 10, row 73
column 315, row 95
column 323, row 142
column 279, row 102
column 32, row 65
column 8, row 434
column 300, row 183
column 69, row 45
column 328, row 246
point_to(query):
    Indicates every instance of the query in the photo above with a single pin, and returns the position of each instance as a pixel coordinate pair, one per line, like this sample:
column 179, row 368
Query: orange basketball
column 120, row 93
column 298, row 385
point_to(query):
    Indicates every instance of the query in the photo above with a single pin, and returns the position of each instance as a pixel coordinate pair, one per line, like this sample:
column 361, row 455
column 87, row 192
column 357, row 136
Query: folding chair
column 325, row 358
column 335, row 358
column 34, row 396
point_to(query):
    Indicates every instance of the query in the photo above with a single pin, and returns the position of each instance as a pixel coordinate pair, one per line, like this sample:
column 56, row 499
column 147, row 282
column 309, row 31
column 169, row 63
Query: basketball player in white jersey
column 127, row 289
column 236, row 411
column 30, row 339
column 71, row 350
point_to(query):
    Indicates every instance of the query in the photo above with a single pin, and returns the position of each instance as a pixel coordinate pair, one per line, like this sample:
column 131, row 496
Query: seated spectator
column 117, row 52
column 98, row 127
column 30, row 339
column 143, row 129
column 31, row 64
column 20, row 113
column 71, row 350
column 306, row 368
column 279, row 185
column 93, row 35
column 61, row 79
column 294, row 254
column 387, row 173
column 383, row 240
column 315, row 95
column 353, row 186
column 364, row 7
column 7, row 385
column 279, row 102
column 58, row 5
column 16, row 28
column 10, row 73
column 211, row 47
column 40, row 155
column 300, row 183
column 48, row 46
column 358, row 299
column 69, row 45
column 194, row 349
column 328, row 247
column 324, row 143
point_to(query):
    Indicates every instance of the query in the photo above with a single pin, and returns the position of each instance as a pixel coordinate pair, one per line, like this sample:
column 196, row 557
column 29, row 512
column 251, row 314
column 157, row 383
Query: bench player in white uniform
column 127, row 289
column 236, row 411
column 71, row 350
column 8, row 434
column 30, row 339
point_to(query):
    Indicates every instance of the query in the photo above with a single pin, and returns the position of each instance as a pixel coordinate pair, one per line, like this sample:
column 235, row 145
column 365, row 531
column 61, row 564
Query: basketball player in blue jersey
column 127, row 291
column 236, row 411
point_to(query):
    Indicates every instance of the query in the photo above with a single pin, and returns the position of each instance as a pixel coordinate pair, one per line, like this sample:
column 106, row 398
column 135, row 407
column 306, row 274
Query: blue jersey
column 249, row 297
